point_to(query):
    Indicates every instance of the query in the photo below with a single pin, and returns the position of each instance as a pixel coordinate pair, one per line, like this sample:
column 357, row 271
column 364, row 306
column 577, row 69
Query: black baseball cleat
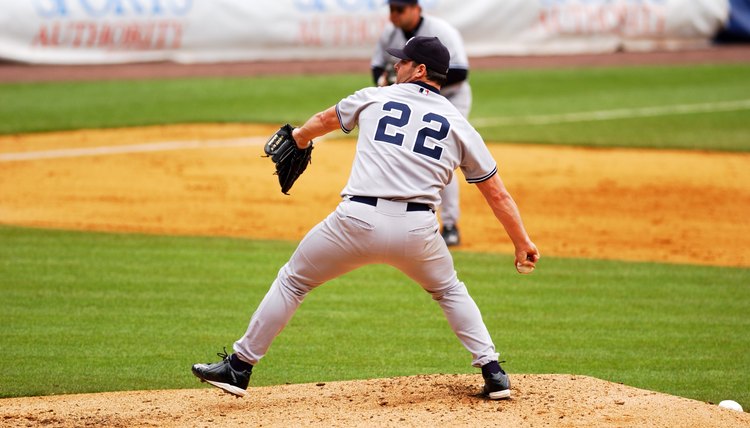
column 223, row 376
column 451, row 236
column 496, row 385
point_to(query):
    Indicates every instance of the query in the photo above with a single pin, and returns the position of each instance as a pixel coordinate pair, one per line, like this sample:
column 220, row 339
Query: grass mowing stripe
column 103, row 312
column 726, row 131
column 50, row 106
column 514, row 94
column 630, row 113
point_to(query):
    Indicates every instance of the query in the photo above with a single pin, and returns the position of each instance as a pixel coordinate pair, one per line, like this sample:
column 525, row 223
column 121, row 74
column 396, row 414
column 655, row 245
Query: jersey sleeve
column 477, row 162
column 348, row 109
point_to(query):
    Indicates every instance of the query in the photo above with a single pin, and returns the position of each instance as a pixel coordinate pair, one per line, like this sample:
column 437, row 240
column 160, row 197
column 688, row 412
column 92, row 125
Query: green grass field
column 512, row 96
column 97, row 312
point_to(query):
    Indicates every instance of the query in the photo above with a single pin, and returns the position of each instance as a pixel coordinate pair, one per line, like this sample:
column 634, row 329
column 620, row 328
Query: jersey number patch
column 402, row 120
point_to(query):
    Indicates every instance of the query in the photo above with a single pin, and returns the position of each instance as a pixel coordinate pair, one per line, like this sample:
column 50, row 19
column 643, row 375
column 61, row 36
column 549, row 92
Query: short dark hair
column 436, row 77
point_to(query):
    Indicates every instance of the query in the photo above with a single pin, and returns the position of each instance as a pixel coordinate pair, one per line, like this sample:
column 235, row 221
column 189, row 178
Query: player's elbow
column 328, row 119
column 495, row 193
column 498, row 197
column 493, row 188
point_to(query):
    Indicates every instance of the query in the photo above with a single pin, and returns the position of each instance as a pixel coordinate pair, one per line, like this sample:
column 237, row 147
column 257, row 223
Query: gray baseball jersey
column 390, row 165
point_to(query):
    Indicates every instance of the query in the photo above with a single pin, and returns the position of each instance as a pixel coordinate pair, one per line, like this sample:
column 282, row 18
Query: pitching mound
column 434, row 400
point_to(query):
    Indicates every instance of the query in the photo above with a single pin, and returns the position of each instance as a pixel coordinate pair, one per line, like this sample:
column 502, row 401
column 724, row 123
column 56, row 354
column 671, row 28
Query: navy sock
column 491, row 368
column 239, row 365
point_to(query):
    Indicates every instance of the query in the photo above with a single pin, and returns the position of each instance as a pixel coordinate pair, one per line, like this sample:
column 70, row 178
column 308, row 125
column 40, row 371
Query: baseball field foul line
column 614, row 114
column 135, row 148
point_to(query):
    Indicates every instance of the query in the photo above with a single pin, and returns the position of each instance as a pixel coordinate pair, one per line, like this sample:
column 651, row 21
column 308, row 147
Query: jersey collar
column 409, row 34
column 427, row 86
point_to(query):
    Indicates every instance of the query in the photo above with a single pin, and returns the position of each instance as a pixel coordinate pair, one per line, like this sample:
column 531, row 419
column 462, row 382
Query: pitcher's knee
column 292, row 284
column 453, row 288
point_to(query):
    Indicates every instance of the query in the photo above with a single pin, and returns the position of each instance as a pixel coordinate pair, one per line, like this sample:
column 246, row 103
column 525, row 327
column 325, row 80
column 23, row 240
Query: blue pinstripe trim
column 341, row 123
column 484, row 178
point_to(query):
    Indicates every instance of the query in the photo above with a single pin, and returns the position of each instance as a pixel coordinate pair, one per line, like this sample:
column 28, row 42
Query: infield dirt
column 662, row 206
column 638, row 205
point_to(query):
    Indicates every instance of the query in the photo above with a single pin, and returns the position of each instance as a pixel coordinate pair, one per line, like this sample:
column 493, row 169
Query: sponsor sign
column 114, row 31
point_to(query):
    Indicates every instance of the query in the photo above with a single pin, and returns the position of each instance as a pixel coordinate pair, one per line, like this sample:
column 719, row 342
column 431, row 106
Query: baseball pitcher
column 411, row 140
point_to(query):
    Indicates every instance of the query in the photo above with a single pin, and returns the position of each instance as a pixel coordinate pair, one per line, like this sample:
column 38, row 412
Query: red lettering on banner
column 340, row 31
column 142, row 35
column 625, row 19
column 171, row 34
column 310, row 33
column 48, row 35
column 77, row 30
column 105, row 37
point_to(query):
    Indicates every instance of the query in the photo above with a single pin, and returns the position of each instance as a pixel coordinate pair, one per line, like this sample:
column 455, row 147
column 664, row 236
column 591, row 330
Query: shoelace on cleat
column 224, row 356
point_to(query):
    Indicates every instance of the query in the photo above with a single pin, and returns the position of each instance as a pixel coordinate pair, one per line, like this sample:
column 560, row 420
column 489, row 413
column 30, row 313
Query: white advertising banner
column 116, row 31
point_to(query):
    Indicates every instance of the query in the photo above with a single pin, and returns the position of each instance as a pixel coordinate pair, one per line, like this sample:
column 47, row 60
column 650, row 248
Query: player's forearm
column 318, row 125
column 505, row 210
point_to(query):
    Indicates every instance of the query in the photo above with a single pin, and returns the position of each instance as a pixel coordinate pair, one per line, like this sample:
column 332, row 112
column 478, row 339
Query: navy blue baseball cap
column 403, row 2
column 425, row 50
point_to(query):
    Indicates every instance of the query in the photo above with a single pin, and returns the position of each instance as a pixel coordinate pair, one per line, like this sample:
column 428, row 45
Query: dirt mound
column 428, row 400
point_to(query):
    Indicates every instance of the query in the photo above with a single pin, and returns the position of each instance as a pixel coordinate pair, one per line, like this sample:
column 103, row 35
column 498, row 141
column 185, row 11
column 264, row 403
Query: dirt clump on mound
column 424, row 400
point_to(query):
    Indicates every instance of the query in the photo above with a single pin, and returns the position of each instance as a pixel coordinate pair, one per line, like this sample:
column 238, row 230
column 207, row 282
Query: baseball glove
column 290, row 160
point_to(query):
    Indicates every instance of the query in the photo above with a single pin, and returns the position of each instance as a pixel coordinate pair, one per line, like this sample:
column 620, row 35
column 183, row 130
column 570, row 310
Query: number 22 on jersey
column 401, row 120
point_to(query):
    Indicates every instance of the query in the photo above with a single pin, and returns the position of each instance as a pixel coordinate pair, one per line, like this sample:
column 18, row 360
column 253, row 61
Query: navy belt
column 370, row 200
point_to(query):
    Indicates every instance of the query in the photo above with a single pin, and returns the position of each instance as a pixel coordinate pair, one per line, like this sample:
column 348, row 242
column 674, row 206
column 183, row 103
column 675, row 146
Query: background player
column 411, row 140
column 408, row 21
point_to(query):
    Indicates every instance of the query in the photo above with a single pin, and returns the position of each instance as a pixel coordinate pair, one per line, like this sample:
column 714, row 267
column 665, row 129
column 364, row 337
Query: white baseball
column 731, row 404
column 522, row 268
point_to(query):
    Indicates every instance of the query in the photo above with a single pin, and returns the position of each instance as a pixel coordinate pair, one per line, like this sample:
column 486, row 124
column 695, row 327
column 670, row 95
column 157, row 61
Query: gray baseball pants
column 357, row 234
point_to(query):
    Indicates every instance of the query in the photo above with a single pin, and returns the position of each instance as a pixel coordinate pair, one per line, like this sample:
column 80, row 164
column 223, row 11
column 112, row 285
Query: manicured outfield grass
column 512, row 96
column 524, row 94
column 99, row 312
